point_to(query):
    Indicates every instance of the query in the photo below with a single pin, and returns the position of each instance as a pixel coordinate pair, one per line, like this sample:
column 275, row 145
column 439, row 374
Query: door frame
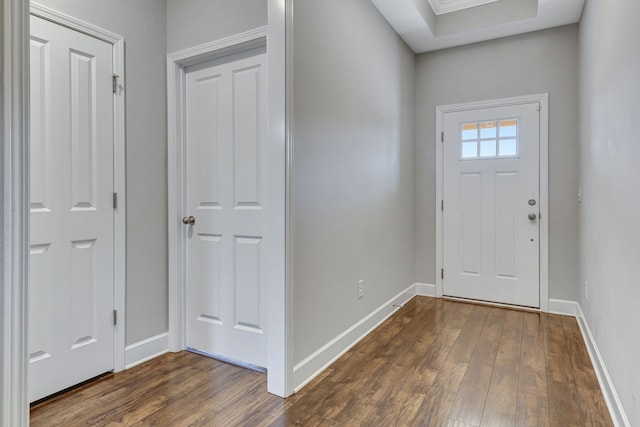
column 543, row 100
column 14, row 180
column 271, row 37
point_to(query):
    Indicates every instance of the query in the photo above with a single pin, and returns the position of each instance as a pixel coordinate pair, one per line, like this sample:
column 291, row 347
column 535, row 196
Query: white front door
column 491, row 192
column 227, row 195
column 71, row 334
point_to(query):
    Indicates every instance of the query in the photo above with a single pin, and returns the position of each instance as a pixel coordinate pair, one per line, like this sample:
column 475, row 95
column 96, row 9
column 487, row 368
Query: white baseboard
column 318, row 361
column 145, row 350
column 425, row 290
column 566, row 308
column 614, row 404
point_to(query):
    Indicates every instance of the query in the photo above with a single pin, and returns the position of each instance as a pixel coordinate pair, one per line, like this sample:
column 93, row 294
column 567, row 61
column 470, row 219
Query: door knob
column 532, row 216
column 189, row 220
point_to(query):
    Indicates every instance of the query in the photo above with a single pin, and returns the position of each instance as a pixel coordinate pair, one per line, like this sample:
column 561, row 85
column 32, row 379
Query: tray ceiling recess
column 427, row 25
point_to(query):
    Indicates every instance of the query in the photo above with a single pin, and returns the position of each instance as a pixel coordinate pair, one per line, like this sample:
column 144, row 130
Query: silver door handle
column 532, row 217
column 189, row 220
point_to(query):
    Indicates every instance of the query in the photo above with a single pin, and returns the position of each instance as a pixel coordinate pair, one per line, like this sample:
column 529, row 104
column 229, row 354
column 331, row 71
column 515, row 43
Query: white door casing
column 14, row 214
column 277, row 150
column 77, row 164
column 226, row 191
column 487, row 246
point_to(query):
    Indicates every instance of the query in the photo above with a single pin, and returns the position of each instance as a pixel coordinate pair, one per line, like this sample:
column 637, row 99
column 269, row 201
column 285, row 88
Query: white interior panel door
column 491, row 187
column 226, row 194
column 71, row 275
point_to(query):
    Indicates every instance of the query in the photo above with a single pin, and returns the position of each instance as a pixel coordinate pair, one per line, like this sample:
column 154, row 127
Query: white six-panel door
column 71, row 275
column 491, row 191
column 226, row 193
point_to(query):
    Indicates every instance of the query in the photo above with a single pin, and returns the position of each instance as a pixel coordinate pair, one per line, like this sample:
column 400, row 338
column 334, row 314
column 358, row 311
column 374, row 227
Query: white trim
column 279, row 337
column 14, row 238
column 221, row 47
column 145, row 350
column 616, row 410
column 544, row 201
column 563, row 307
column 73, row 23
column 285, row 22
column 120, row 213
column 425, row 290
column 277, row 297
column 322, row 358
column 543, row 100
column 441, row 7
column 119, row 171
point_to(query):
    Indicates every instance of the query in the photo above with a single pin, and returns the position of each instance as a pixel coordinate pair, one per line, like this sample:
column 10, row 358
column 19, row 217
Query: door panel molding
column 543, row 100
column 271, row 37
column 119, row 218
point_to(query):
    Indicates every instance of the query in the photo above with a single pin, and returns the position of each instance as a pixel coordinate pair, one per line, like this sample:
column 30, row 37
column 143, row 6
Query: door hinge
column 442, row 273
column 441, row 136
column 115, row 317
column 442, row 205
column 115, row 200
column 114, row 83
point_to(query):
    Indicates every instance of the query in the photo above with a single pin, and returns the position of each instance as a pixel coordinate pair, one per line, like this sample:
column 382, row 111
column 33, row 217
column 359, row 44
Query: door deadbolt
column 189, row 220
column 532, row 202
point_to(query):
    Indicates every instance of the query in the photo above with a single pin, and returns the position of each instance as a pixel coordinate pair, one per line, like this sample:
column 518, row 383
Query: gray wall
column 544, row 61
column 610, row 177
column 193, row 22
column 354, row 169
column 142, row 23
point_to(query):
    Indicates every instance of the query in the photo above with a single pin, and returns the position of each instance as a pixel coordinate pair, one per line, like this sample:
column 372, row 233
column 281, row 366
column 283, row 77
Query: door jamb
column 272, row 37
column 543, row 100
column 119, row 144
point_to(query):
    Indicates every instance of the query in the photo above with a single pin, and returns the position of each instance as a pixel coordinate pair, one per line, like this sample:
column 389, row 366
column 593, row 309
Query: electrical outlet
column 580, row 194
column 360, row 289
column 586, row 289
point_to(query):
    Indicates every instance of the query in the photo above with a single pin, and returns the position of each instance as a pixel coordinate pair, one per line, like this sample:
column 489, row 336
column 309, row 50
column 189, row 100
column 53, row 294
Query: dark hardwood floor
column 434, row 363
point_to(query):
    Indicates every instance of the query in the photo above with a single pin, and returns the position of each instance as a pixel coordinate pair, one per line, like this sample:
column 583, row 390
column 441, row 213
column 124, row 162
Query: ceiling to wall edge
column 423, row 30
column 447, row 6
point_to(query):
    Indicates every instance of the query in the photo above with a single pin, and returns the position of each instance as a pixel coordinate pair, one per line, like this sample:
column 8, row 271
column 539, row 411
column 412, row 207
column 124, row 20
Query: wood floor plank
column 533, row 398
column 292, row 417
column 532, row 410
column 434, row 362
column 470, row 400
column 441, row 394
column 502, row 398
column 452, row 318
column 564, row 403
column 559, row 368
column 583, row 372
column 469, row 335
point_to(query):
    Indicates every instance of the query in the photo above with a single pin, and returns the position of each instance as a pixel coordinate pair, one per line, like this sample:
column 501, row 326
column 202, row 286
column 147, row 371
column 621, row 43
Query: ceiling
column 427, row 25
